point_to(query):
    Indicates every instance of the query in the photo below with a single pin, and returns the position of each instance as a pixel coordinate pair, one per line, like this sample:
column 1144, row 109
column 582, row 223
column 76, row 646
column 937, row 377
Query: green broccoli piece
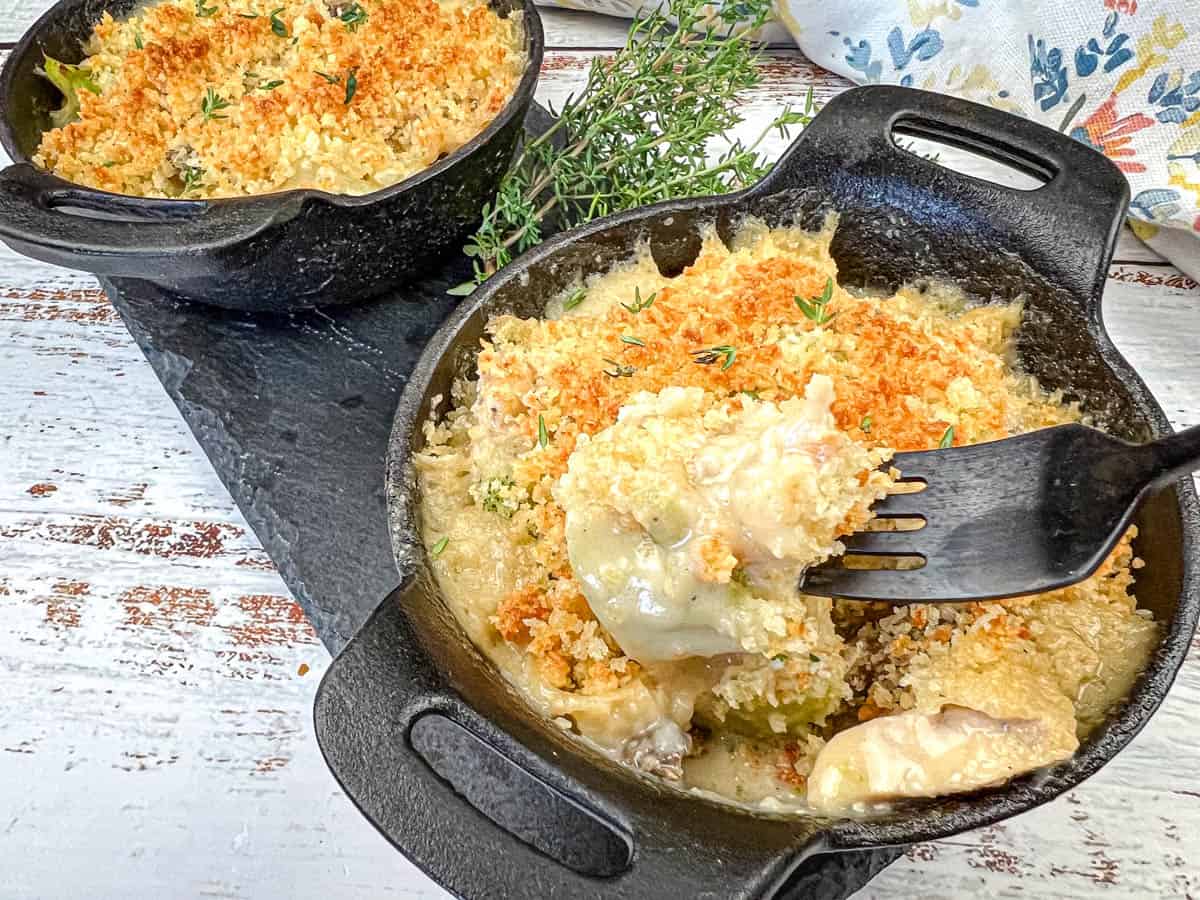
column 68, row 79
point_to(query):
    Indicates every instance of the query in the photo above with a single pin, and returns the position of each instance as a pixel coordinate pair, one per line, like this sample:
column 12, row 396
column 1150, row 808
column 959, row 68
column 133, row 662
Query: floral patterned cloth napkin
column 1120, row 75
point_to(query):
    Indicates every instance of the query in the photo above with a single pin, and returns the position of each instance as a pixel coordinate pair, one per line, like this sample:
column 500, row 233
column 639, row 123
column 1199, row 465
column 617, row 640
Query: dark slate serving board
column 294, row 413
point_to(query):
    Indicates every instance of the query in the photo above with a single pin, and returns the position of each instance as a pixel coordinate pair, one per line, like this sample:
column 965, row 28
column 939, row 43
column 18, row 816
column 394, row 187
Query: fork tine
column 896, row 585
column 883, row 542
column 904, row 503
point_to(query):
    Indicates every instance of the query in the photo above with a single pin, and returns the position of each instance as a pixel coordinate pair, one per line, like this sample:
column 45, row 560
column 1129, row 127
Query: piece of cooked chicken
column 689, row 520
column 921, row 754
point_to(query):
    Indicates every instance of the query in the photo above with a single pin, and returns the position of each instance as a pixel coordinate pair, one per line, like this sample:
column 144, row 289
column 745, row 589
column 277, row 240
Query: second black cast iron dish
column 451, row 764
column 269, row 253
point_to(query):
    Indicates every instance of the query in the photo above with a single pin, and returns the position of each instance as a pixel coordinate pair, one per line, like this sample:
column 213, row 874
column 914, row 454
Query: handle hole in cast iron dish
column 519, row 802
column 997, row 165
column 111, row 208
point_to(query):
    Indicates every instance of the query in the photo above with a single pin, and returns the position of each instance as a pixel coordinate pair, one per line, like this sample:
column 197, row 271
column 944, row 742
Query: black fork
column 1019, row 516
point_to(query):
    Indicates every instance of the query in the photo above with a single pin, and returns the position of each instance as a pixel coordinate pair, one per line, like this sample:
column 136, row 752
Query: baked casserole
column 201, row 99
column 619, row 504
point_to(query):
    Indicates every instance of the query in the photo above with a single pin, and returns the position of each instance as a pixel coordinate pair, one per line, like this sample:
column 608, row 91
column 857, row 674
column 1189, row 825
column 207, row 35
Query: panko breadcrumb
column 221, row 98
column 908, row 372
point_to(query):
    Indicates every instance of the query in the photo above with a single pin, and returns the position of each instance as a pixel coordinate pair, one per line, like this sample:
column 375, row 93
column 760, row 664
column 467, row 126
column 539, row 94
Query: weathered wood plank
column 156, row 716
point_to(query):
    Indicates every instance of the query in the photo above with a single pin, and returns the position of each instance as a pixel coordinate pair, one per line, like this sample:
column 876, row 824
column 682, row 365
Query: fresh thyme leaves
column 204, row 11
column 351, row 87
column 211, row 105
column 753, row 395
column 812, row 657
column 277, row 26
column 270, row 85
column 638, row 303
column 497, row 497
column 137, row 40
column 618, row 370
column 710, row 355
column 826, row 292
column 947, row 438
column 630, row 339
column 191, row 177
column 543, row 434
column 248, row 15
column 814, row 309
column 865, row 425
column 575, row 299
column 640, row 131
column 436, row 550
column 353, row 16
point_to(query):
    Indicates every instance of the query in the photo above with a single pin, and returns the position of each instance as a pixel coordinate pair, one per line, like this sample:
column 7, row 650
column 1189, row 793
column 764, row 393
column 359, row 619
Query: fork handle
column 1169, row 458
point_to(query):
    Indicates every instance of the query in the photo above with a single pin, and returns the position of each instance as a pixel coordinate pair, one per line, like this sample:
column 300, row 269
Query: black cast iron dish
column 269, row 253
column 413, row 719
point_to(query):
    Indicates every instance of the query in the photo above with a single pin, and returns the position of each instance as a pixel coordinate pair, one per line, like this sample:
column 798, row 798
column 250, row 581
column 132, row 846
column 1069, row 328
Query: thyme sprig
column 191, row 178
column 814, row 309
column 639, row 302
column 211, row 105
column 278, row 28
column 353, row 16
column 640, row 131
column 618, row 370
column 710, row 355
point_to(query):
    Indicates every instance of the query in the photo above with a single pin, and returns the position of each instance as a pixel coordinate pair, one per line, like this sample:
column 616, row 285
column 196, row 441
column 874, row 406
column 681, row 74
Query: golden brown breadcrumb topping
column 220, row 98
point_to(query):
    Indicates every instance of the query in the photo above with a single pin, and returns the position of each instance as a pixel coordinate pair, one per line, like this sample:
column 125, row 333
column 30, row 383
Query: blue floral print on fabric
column 925, row 45
column 1048, row 73
column 859, row 59
column 1175, row 97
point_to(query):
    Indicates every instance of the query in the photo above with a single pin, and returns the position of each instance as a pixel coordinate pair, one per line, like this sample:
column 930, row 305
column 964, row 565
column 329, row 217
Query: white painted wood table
column 156, row 678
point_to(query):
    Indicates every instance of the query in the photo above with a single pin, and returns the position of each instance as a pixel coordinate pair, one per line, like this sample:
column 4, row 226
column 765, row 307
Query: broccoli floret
column 68, row 79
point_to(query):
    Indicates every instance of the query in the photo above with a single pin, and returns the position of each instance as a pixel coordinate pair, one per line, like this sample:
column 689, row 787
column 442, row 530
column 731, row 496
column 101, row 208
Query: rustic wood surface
column 155, row 717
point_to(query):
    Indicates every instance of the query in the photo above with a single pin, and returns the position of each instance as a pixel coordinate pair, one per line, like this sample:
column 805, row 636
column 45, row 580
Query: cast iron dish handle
column 471, row 803
column 35, row 212
column 1078, row 210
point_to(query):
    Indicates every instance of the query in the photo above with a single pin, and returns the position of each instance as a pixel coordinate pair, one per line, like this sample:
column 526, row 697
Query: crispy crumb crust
column 427, row 77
